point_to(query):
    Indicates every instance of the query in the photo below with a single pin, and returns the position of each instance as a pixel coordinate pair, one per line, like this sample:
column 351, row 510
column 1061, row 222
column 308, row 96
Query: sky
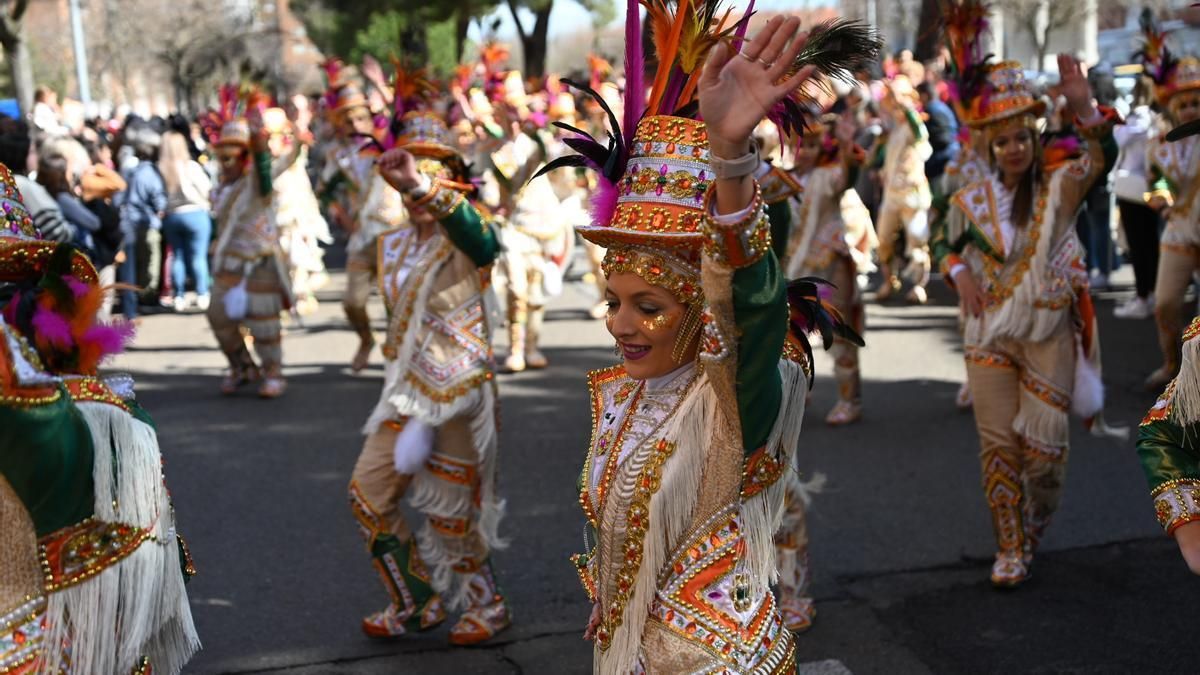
column 568, row 16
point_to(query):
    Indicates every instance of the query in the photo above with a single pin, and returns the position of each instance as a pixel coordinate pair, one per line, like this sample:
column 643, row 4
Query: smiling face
column 645, row 320
column 1185, row 106
column 1013, row 149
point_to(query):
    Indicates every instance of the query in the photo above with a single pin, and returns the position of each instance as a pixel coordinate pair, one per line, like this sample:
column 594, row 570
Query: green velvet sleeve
column 915, row 123
column 471, row 234
column 781, row 226
column 46, row 457
column 262, row 169
column 760, row 312
column 1166, row 454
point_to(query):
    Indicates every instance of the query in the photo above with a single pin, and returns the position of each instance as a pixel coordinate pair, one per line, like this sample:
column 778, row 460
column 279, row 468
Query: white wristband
column 745, row 165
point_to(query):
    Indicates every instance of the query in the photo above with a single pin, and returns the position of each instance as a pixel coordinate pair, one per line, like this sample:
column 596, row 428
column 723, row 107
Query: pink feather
column 53, row 328
column 78, row 288
column 109, row 339
column 604, row 202
column 635, row 71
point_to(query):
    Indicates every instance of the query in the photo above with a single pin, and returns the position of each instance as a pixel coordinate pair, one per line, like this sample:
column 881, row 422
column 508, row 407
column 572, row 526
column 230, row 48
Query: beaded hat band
column 23, row 252
column 1005, row 95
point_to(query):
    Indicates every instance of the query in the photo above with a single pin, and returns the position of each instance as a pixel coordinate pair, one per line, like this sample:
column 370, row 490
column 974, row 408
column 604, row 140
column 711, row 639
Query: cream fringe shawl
column 672, row 507
column 139, row 606
column 427, row 493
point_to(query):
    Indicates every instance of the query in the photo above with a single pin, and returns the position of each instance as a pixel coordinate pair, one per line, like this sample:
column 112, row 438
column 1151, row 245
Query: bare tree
column 1039, row 19
column 16, row 50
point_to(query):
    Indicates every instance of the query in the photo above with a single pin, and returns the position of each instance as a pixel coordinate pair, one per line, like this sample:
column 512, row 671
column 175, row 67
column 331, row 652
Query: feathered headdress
column 493, row 56
column 412, row 91
column 229, row 108
column 966, row 23
column 1170, row 74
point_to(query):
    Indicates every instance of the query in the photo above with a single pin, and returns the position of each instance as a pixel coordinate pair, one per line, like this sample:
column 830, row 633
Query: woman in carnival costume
column 433, row 435
column 302, row 228
column 1167, row 442
column 250, row 287
column 827, row 162
column 694, row 439
column 92, row 570
column 1011, row 251
column 904, row 210
column 376, row 207
column 1175, row 186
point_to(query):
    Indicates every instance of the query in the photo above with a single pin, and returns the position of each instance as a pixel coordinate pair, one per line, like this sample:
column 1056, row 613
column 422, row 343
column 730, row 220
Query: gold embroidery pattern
column 1046, row 392
column 1162, row 408
column 1177, row 502
column 740, row 244
column 681, row 183
column 983, row 357
column 657, row 270
column 637, row 520
column 21, row 635
column 78, row 552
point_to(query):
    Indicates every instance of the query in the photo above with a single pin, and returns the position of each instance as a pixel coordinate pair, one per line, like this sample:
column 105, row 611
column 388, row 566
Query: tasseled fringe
column 431, row 495
column 1018, row 318
column 1041, row 422
column 671, row 514
column 138, row 606
column 763, row 513
column 1186, row 403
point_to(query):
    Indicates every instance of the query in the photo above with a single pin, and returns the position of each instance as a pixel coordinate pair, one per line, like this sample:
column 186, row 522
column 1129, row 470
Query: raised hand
column 737, row 89
column 1074, row 86
column 399, row 168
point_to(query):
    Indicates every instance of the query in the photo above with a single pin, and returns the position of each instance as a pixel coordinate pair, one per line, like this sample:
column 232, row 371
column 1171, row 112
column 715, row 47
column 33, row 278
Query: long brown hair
column 172, row 160
column 1022, row 209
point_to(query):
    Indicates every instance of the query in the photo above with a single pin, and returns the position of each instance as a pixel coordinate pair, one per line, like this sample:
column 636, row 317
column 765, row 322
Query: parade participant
column 433, row 434
column 695, row 430
column 250, row 285
column 904, row 210
column 827, row 162
column 1174, row 173
column 965, row 24
column 1167, row 442
column 1013, row 256
column 302, row 228
column 92, row 570
column 376, row 208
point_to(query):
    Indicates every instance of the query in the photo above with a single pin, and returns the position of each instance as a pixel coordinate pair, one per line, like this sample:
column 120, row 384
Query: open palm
column 737, row 90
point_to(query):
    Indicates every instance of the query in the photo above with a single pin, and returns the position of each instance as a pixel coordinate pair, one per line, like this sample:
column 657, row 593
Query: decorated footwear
column 917, row 296
column 273, row 386
column 390, row 622
column 487, row 611
column 843, row 413
column 963, row 399
column 1010, row 569
column 798, row 613
column 236, row 378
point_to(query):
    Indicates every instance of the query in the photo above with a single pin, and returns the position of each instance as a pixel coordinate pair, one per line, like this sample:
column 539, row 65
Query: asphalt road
column 900, row 538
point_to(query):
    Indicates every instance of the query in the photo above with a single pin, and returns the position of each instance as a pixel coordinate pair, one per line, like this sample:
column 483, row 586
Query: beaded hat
column 425, row 134
column 346, row 98
column 23, row 252
column 235, row 132
column 1005, row 97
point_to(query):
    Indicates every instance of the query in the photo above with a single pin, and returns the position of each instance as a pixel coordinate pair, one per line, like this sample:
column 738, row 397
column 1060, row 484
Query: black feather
column 562, row 162
column 839, row 47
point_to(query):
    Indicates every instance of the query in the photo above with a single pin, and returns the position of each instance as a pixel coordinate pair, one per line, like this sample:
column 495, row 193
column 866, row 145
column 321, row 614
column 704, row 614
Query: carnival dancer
column 92, row 569
column 1167, row 442
column 433, row 435
column 827, row 162
column 683, row 484
column 302, row 228
column 1175, row 186
column 904, row 210
column 376, row 209
column 250, row 287
column 1011, row 251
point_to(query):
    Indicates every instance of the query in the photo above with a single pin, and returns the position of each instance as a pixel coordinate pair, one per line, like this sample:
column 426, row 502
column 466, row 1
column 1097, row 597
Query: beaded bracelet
column 739, row 244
